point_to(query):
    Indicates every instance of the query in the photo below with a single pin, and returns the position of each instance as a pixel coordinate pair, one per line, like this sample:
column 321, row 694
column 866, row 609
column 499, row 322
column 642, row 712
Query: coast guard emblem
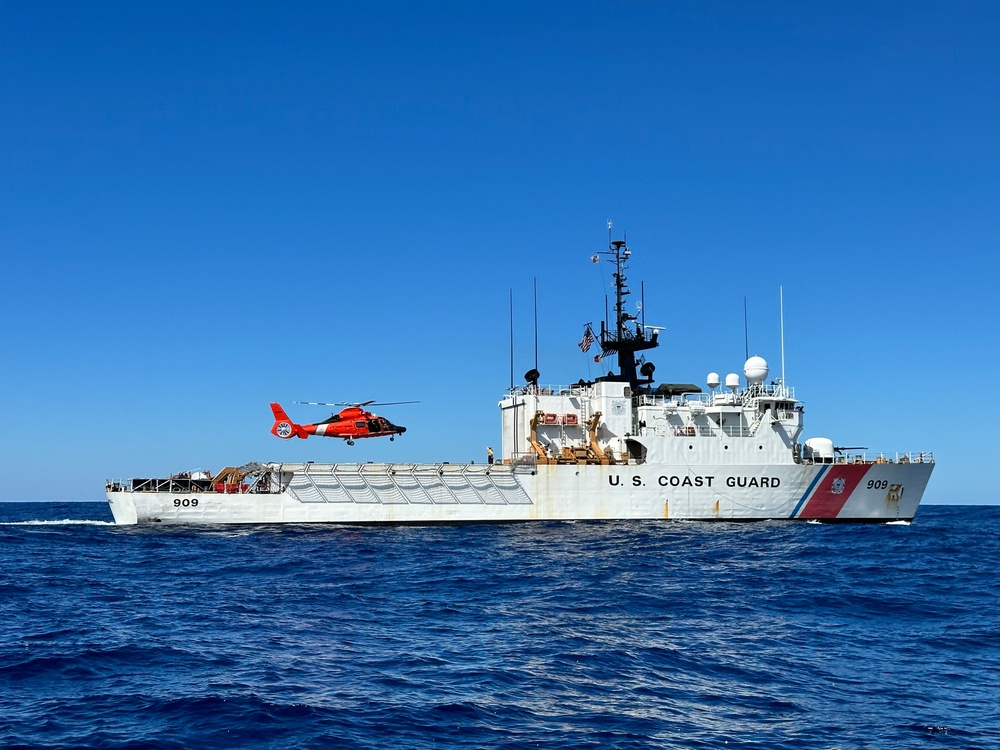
column 838, row 485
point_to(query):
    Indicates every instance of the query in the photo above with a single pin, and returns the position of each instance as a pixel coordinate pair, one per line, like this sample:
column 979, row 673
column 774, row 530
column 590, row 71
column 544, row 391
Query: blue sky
column 205, row 207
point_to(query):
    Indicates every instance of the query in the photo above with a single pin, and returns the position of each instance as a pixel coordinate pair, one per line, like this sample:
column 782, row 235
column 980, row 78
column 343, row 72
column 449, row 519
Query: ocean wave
column 584, row 635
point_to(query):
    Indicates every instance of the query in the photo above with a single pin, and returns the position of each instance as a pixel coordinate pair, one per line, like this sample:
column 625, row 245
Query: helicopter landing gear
column 392, row 437
column 350, row 442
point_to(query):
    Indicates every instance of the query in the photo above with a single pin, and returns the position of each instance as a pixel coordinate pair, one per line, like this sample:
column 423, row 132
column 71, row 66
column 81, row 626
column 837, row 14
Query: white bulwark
column 614, row 448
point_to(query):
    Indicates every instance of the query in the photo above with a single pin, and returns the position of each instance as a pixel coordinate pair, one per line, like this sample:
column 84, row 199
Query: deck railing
column 866, row 457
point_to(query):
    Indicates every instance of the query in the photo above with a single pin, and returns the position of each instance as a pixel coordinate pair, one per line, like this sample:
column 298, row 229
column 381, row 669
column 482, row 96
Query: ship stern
column 123, row 508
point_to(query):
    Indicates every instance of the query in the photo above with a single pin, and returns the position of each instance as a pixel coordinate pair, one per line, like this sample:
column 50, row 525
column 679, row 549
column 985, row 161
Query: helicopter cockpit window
column 373, row 425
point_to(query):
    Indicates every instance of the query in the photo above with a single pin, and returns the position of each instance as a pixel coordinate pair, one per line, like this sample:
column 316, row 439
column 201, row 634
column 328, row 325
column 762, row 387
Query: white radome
column 755, row 370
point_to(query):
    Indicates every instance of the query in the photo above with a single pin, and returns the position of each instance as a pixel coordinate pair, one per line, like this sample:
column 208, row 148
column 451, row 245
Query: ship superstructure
column 620, row 418
column 617, row 447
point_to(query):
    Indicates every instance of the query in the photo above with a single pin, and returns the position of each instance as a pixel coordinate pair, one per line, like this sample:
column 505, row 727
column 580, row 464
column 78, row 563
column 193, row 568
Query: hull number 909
column 878, row 484
column 191, row 502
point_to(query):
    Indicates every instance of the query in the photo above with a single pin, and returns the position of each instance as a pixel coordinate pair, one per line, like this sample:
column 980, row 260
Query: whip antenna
column 534, row 283
column 511, row 305
column 781, row 309
column 746, row 332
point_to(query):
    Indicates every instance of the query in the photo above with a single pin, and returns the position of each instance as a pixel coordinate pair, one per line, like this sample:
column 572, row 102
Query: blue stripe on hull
column 808, row 492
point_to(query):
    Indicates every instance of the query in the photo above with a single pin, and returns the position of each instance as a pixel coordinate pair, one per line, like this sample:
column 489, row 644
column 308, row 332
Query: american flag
column 588, row 338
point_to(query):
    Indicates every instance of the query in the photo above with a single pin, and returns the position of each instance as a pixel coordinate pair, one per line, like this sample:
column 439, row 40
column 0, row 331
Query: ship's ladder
column 762, row 414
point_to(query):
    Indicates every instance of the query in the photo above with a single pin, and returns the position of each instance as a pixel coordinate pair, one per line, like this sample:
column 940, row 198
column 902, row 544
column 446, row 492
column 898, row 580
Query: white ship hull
column 478, row 493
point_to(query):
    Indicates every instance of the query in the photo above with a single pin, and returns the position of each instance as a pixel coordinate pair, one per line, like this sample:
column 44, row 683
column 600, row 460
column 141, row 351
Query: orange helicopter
column 348, row 424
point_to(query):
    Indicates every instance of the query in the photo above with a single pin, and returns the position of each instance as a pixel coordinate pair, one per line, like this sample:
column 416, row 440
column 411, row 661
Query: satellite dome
column 755, row 369
column 732, row 381
column 713, row 380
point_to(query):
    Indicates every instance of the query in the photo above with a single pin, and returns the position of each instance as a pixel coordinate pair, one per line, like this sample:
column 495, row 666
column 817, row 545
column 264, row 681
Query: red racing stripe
column 833, row 491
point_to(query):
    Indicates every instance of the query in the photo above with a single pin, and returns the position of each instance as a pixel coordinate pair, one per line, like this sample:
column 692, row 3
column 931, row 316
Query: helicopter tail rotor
column 284, row 427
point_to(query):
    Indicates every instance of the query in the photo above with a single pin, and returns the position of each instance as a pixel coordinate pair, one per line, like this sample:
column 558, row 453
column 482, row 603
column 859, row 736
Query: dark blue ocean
column 554, row 635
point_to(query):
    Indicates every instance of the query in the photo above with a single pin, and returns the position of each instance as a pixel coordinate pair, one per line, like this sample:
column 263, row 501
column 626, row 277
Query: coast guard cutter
column 617, row 447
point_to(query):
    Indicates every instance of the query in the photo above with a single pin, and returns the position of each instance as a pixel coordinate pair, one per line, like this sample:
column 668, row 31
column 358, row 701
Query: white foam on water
column 64, row 522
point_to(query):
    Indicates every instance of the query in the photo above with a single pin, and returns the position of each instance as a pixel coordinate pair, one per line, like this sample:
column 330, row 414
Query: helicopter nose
column 400, row 430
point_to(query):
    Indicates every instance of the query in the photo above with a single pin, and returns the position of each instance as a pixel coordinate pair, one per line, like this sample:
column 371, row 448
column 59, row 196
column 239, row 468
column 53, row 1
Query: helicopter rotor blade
column 356, row 403
column 335, row 403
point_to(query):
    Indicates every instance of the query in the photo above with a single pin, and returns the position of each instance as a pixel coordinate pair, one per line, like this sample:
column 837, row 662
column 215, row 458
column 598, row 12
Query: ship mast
column 626, row 339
